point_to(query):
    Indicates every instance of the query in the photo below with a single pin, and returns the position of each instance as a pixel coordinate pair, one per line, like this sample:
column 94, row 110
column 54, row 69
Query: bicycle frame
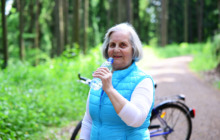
column 155, row 133
column 159, row 132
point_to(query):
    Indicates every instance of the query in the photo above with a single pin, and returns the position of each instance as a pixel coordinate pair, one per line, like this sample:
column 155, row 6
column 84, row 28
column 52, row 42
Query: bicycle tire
column 76, row 131
column 181, row 125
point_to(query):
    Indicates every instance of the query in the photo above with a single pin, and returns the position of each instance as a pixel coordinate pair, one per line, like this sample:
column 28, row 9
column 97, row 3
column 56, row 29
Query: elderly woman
column 121, row 110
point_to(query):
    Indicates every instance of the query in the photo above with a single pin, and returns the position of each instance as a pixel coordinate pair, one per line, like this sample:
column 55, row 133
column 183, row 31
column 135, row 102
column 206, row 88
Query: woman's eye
column 112, row 45
column 122, row 45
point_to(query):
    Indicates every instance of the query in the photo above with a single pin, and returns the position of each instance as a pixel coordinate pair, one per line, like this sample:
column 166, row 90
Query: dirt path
column 174, row 77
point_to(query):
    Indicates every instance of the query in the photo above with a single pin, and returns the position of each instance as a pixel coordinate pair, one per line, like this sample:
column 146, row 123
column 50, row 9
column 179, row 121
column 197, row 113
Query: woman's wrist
column 109, row 90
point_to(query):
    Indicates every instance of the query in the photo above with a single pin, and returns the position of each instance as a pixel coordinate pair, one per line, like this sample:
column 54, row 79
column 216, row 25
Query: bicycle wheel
column 170, row 121
column 76, row 132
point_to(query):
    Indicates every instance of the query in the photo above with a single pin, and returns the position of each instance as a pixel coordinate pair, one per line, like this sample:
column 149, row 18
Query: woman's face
column 120, row 49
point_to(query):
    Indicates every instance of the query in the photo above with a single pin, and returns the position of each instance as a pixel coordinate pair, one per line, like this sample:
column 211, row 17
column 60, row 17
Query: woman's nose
column 116, row 48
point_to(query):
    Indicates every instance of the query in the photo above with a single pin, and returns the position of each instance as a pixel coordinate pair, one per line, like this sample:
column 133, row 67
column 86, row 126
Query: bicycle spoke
column 174, row 119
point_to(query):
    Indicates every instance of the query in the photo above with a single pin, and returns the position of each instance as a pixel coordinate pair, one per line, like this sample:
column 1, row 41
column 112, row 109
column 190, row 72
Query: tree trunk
column 66, row 18
column 136, row 21
column 219, row 14
column 59, row 27
column 4, row 35
column 200, row 19
column 56, row 27
column 186, row 21
column 37, row 32
column 158, row 26
column 190, row 11
column 21, row 29
column 164, row 19
column 129, row 11
column 113, row 12
column 86, row 23
column 119, row 11
column 108, row 15
column 76, row 21
column 36, row 40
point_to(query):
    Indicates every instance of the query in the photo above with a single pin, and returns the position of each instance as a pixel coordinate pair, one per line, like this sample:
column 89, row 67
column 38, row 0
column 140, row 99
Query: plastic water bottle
column 96, row 83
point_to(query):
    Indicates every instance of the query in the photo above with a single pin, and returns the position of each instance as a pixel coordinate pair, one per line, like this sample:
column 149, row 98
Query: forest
column 39, row 29
column 45, row 43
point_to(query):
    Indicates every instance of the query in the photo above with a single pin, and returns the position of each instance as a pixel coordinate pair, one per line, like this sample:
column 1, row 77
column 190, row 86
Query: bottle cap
column 111, row 60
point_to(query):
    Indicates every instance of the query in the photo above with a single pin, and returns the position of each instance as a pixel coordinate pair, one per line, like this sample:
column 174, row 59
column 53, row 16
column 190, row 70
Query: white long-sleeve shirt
column 133, row 113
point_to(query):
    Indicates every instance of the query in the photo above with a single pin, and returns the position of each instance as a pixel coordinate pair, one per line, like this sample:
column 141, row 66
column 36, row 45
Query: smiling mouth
column 117, row 56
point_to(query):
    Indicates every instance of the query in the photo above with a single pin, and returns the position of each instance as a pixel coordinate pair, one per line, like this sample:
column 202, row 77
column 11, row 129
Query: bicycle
column 170, row 119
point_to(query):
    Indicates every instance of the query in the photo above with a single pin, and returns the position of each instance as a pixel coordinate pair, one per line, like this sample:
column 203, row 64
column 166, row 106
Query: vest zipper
column 100, row 102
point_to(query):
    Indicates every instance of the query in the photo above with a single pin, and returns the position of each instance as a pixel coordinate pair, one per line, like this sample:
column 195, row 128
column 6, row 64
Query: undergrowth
column 35, row 98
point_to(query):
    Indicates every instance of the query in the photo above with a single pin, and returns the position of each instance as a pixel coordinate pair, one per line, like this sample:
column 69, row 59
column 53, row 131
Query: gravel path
column 174, row 77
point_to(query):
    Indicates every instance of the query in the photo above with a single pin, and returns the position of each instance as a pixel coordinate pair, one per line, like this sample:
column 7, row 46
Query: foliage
column 203, row 58
column 32, row 98
column 216, row 47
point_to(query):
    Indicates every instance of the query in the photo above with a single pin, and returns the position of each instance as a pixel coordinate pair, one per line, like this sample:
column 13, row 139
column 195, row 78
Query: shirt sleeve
column 86, row 124
column 135, row 112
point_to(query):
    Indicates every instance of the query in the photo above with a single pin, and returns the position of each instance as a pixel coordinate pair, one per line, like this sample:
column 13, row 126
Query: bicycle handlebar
column 87, row 81
column 181, row 97
column 84, row 80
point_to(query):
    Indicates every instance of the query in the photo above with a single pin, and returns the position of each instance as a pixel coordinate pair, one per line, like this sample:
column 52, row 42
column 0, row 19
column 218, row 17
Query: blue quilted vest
column 106, row 124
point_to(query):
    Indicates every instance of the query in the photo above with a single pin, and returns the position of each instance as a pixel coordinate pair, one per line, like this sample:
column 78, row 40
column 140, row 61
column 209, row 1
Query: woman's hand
column 117, row 99
column 105, row 75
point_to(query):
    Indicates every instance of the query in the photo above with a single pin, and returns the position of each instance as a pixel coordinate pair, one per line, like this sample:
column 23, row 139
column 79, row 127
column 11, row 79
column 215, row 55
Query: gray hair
column 134, row 40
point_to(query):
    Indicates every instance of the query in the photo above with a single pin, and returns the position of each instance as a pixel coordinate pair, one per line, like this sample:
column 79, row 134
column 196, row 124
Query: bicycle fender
column 170, row 102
